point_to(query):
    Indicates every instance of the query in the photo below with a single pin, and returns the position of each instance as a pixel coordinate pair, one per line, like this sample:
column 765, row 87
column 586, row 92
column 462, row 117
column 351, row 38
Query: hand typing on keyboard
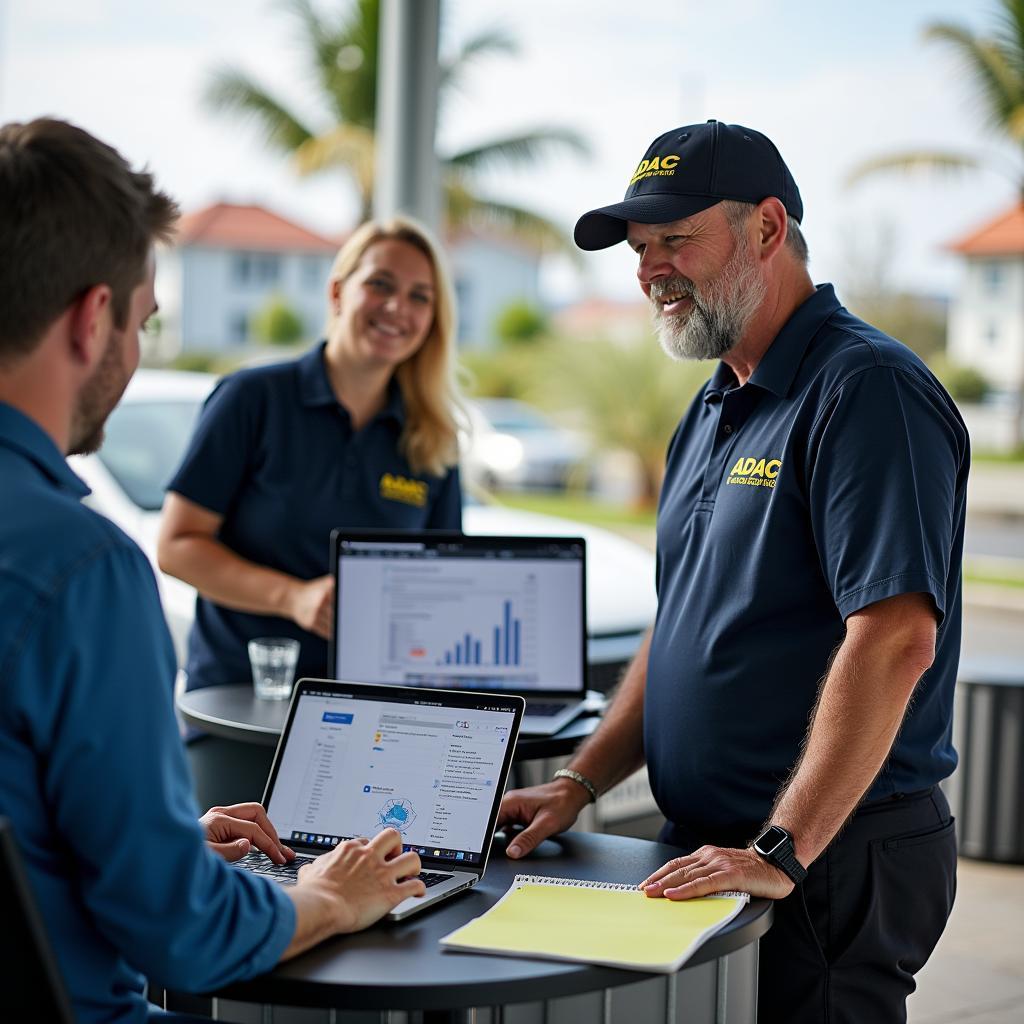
column 351, row 886
column 235, row 830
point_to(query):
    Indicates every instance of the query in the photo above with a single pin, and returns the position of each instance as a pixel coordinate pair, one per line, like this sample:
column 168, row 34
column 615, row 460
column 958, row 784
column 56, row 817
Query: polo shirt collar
column 315, row 386
column 22, row 434
column 779, row 365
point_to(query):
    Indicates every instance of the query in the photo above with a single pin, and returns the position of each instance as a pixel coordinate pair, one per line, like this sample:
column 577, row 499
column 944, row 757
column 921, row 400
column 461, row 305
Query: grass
column 992, row 579
column 575, row 505
column 1011, row 458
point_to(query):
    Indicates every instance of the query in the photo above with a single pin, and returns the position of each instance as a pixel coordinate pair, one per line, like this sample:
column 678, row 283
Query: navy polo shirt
column 834, row 478
column 94, row 777
column 275, row 454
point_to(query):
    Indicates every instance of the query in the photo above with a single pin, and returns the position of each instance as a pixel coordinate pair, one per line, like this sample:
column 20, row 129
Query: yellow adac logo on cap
column 400, row 488
column 656, row 167
column 754, row 472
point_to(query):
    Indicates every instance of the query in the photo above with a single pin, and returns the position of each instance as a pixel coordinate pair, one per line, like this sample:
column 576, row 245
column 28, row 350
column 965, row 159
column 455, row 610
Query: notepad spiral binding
column 579, row 883
column 586, row 883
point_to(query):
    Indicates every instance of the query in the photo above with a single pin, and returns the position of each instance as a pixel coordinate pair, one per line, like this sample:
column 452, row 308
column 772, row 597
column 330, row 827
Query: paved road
column 994, row 536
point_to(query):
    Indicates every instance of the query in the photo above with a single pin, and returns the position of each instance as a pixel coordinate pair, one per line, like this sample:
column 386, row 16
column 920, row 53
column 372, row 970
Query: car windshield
column 144, row 445
column 515, row 419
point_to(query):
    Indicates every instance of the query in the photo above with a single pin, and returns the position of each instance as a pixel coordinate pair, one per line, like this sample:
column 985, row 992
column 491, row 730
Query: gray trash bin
column 986, row 792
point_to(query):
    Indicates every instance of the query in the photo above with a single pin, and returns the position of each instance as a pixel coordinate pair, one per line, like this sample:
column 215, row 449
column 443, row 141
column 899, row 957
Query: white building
column 227, row 263
column 986, row 318
column 490, row 273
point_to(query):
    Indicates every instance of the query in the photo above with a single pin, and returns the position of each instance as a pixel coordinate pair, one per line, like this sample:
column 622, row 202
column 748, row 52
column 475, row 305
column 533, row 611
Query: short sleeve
column 222, row 447
column 446, row 513
column 884, row 471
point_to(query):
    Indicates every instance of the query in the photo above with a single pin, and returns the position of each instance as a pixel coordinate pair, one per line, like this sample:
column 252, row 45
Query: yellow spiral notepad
column 595, row 922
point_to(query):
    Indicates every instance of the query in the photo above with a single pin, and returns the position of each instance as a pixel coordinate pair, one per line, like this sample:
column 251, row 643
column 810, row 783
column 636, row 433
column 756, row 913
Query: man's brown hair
column 73, row 214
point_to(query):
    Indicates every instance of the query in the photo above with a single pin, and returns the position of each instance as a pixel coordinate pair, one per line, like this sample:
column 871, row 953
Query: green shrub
column 520, row 323
column 277, row 323
column 964, row 383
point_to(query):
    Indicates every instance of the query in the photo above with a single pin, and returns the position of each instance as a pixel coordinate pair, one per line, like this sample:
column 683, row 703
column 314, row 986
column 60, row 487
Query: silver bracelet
column 568, row 773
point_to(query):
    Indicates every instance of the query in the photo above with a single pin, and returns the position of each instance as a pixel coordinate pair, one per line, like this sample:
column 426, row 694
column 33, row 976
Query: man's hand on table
column 233, row 831
column 545, row 810
column 714, row 869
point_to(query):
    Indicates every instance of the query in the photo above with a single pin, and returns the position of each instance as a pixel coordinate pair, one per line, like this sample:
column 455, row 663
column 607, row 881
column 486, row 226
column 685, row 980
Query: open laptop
column 354, row 759
column 431, row 609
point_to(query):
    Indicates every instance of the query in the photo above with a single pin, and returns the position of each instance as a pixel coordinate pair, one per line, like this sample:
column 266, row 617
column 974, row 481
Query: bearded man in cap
column 793, row 701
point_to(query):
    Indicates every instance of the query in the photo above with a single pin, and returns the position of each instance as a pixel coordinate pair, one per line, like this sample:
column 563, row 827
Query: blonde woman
column 358, row 432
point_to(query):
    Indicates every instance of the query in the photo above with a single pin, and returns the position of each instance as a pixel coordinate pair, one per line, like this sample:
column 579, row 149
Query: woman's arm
column 188, row 548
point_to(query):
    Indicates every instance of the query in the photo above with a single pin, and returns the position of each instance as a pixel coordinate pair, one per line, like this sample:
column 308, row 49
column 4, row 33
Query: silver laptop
column 431, row 609
column 354, row 759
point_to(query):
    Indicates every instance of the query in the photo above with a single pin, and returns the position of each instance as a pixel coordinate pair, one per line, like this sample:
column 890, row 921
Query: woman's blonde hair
column 427, row 378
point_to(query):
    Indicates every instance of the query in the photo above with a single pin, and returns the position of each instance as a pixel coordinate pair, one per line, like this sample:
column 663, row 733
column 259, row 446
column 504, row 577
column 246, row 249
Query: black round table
column 401, row 967
column 231, row 762
column 236, row 713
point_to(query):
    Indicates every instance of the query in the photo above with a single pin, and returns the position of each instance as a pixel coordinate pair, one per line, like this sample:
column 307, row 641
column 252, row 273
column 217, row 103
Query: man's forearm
column 859, row 712
column 616, row 749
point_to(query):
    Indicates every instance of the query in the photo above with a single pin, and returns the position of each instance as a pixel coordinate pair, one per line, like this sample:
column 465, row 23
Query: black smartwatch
column 775, row 844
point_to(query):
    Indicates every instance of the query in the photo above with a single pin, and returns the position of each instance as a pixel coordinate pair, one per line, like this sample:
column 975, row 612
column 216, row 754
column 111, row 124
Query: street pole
column 407, row 179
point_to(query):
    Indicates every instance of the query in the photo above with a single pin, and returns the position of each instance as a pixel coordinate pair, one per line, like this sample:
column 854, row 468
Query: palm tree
column 341, row 50
column 995, row 63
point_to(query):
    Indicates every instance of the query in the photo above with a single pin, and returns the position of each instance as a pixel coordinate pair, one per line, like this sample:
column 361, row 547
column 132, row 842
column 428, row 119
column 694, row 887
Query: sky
column 831, row 82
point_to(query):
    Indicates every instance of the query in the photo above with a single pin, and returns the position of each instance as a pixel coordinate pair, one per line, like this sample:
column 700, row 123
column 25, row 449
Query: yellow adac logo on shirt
column 754, row 472
column 656, row 167
column 400, row 488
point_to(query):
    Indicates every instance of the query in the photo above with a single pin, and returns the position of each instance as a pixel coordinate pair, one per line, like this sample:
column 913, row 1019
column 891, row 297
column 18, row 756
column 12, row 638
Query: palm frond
column 1009, row 34
column 465, row 209
column 485, row 44
column 913, row 162
column 231, row 91
column 519, row 149
column 345, row 146
column 1000, row 88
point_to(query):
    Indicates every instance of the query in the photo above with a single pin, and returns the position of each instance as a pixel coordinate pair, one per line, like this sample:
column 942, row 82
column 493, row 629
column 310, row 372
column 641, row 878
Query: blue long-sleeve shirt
column 92, row 772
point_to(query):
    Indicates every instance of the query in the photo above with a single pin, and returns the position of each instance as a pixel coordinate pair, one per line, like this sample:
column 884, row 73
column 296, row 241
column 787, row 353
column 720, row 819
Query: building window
column 238, row 328
column 993, row 276
column 256, row 268
column 463, row 291
column 991, row 334
column 314, row 273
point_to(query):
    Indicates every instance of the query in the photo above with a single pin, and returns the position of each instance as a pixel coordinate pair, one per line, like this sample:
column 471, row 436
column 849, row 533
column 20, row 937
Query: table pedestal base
column 723, row 991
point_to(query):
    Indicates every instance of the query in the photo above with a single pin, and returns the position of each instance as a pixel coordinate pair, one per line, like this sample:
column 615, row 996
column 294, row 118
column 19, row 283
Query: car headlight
column 501, row 453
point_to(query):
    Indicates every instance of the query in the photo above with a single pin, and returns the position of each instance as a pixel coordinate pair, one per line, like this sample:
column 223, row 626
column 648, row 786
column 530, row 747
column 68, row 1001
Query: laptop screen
column 454, row 611
column 353, row 762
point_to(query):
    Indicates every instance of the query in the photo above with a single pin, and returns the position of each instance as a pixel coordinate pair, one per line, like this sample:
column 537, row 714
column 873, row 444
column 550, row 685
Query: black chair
column 31, row 987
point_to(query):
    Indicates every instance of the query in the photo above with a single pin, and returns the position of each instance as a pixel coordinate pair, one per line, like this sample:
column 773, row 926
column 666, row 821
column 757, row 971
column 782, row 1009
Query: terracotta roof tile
column 255, row 228
column 1002, row 236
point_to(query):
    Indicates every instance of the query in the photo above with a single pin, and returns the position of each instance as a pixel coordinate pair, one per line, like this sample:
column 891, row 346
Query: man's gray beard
column 717, row 319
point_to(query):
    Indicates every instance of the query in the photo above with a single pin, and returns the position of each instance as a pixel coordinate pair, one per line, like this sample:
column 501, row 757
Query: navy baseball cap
column 689, row 169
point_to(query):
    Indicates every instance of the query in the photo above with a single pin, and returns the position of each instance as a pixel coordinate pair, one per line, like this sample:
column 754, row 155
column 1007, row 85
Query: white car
column 146, row 438
column 515, row 446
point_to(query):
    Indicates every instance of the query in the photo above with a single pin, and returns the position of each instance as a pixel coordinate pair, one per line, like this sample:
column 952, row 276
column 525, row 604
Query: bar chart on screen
column 467, row 623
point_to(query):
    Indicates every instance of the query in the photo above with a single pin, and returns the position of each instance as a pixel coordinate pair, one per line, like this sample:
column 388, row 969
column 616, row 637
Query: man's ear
column 90, row 323
column 771, row 227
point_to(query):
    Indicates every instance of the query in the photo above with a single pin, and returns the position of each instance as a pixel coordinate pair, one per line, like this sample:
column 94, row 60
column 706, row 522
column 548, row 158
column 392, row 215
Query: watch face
column 770, row 840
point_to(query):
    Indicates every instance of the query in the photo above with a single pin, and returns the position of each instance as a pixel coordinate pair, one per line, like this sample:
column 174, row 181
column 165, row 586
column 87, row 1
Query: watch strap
column 568, row 773
column 782, row 856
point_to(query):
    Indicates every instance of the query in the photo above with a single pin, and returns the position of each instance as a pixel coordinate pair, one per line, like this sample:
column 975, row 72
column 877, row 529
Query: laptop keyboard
column 288, row 874
column 540, row 709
